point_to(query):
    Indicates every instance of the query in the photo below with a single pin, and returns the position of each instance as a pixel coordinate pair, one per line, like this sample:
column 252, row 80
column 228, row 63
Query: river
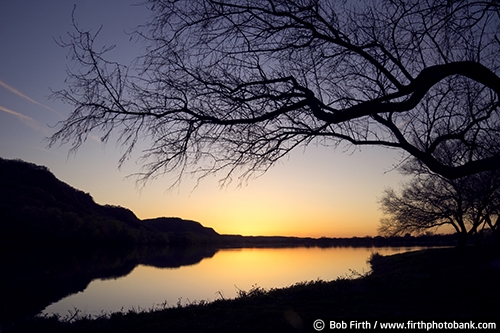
column 213, row 275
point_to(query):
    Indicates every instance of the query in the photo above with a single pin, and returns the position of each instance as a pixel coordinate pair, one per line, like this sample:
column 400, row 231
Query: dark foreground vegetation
column 436, row 284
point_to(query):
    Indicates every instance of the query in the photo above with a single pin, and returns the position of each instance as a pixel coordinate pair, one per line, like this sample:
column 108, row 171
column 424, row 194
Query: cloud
column 96, row 138
column 20, row 94
column 45, row 150
column 25, row 119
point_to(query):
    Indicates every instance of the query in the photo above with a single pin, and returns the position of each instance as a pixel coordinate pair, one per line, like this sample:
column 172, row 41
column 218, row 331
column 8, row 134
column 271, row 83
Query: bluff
column 38, row 208
column 177, row 225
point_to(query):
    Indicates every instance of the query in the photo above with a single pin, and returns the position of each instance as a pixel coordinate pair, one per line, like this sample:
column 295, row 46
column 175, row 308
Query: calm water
column 224, row 273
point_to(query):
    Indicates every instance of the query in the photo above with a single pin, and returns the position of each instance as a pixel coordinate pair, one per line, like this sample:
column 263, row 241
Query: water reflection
column 218, row 273
column 32, row 278
column 93, row 280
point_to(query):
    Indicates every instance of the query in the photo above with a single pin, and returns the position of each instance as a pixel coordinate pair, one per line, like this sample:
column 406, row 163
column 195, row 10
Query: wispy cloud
column 25, row 119
column 96, row 138
column 46, row 150
column 20, row 94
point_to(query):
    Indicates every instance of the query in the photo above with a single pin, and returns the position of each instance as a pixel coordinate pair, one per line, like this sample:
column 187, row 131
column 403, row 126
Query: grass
column 435, row 284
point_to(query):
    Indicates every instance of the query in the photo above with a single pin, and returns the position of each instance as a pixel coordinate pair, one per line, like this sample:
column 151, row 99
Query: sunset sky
column 314, row 192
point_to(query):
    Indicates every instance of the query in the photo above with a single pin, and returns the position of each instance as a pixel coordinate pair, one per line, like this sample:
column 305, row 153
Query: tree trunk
column 462, row 239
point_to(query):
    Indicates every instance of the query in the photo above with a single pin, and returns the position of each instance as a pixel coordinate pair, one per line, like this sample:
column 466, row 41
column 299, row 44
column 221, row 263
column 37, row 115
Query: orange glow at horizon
column 256, row 211
column 267, row 216
column 317, row 193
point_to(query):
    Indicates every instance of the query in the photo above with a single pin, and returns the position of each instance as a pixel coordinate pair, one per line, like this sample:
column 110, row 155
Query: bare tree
column 430, row 201
column 236, row 85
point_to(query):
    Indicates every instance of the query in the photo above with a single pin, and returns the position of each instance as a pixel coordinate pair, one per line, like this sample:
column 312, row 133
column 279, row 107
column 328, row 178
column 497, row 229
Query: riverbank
column 435, row 284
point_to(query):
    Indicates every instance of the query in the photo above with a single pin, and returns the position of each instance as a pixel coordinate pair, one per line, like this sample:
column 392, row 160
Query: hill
column 37, row 207
column 177, row 225
column 181, row 231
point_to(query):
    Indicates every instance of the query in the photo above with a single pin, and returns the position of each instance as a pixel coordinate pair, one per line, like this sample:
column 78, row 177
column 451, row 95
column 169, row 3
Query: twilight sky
column 314, row 192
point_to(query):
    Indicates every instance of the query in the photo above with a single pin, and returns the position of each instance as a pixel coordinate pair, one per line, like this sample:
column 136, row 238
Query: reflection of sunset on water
column 222, row 275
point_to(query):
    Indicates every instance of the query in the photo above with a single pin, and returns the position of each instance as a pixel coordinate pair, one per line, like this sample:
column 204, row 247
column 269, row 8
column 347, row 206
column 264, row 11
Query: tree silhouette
column 236, row 85
column 430, row 201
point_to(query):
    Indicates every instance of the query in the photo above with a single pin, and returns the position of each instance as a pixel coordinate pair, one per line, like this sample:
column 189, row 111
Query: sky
column 313, row 192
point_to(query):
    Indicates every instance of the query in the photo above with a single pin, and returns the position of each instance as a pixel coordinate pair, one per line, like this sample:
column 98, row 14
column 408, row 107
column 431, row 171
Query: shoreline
column 432, row 284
